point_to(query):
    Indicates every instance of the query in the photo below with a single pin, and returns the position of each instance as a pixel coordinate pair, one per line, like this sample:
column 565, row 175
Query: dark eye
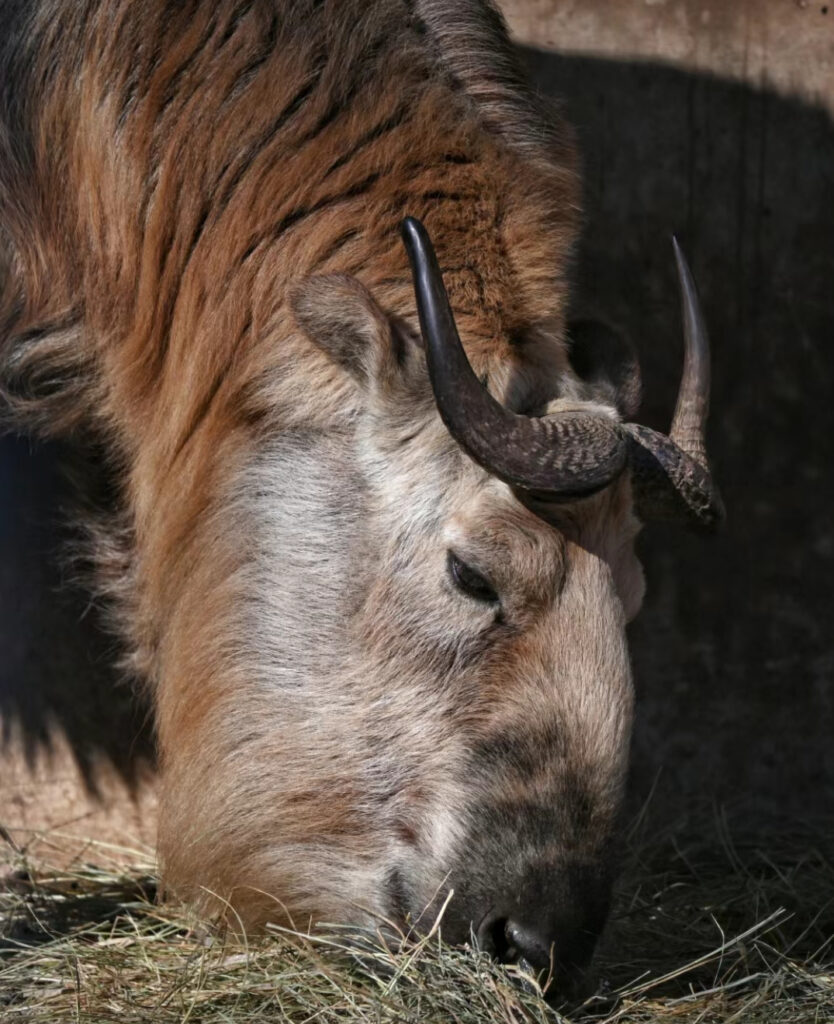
column 472, row 583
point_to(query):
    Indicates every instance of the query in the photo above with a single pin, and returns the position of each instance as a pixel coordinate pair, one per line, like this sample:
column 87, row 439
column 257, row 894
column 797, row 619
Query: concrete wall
column 712, row 120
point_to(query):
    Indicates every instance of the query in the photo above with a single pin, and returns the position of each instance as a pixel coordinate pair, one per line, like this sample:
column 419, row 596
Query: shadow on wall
column 56, row 668
column 733, row 651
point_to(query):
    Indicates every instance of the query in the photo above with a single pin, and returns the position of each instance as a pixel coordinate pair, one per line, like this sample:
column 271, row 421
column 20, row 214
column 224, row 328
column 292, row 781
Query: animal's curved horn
column 692, row 409
column 568, row 455
column 671, row 475
column 668, row 483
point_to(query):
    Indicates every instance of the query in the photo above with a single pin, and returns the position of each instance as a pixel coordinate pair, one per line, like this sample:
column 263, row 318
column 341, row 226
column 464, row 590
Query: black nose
column 512, row 942
column 560, row 941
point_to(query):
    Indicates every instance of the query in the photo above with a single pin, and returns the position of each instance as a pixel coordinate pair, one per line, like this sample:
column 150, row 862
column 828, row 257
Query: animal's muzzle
column 548, row 923
column 540, row 944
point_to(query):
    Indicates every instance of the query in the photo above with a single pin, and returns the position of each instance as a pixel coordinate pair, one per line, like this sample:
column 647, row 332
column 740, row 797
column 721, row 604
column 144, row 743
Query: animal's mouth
column 561, row 984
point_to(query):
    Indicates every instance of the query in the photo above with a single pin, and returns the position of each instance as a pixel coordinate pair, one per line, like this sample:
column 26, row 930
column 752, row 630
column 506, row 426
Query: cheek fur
column 631, row 586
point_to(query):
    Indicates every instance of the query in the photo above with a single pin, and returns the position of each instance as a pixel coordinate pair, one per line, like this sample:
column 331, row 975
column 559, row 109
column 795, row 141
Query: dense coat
column 203, row 279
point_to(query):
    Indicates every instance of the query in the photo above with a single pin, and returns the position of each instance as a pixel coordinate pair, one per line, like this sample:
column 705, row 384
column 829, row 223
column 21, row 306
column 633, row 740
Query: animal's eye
column 472, row 583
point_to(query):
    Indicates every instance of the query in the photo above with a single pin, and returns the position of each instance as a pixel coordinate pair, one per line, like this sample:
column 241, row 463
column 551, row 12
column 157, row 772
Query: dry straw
column 711, row 924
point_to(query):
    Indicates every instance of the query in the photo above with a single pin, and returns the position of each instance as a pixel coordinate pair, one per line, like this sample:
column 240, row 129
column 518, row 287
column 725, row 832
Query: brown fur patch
column 279, row 558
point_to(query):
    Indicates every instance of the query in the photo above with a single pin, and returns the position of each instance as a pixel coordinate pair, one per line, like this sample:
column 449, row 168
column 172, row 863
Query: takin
column 370, row 548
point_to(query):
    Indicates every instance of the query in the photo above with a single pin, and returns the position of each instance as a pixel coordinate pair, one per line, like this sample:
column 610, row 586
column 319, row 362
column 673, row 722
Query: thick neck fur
column 176, row 198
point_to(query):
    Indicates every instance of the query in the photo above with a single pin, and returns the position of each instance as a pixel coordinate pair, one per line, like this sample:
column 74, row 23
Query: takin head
column 433, row 692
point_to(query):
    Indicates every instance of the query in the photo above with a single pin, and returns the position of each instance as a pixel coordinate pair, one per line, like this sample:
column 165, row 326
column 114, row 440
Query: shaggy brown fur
column 158, row 211
column 179, row 184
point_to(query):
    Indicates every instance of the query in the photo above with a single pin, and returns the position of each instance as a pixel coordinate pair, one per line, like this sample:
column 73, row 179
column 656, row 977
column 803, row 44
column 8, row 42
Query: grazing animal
column 376, row 581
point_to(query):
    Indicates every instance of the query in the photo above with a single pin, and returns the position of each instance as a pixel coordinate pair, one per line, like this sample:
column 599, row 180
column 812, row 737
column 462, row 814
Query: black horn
column 692, row 409
column 671, row 475
column 564, row 455
column 571, row 455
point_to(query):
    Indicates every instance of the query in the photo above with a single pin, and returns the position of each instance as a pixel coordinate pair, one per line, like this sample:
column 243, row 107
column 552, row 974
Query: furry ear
column 341, row 316
column 604, row 359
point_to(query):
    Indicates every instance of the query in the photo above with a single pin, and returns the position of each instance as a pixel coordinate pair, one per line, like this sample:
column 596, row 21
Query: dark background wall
column 712, row 121
column 731, row 147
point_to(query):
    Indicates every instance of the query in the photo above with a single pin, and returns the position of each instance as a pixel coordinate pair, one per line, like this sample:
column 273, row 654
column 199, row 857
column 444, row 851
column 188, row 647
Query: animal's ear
column 605, row 360
column 341, row 316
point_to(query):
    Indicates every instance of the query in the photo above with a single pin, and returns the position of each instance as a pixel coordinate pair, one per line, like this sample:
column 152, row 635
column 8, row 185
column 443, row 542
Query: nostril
column 492, row 938
column 509, row 942
column 525, row 944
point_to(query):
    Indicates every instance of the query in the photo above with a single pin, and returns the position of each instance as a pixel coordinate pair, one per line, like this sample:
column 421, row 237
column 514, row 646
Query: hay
column 710, row 925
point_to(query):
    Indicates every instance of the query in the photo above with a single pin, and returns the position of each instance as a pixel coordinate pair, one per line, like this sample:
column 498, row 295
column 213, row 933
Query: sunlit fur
column 190, row 194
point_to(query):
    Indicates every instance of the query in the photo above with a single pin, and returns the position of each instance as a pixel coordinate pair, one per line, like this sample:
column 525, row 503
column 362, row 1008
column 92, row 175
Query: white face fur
column 431, row 685
column 393, row 628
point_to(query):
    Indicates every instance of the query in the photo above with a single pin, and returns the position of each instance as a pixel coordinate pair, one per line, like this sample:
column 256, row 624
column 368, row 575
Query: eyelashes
column 469, row 581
